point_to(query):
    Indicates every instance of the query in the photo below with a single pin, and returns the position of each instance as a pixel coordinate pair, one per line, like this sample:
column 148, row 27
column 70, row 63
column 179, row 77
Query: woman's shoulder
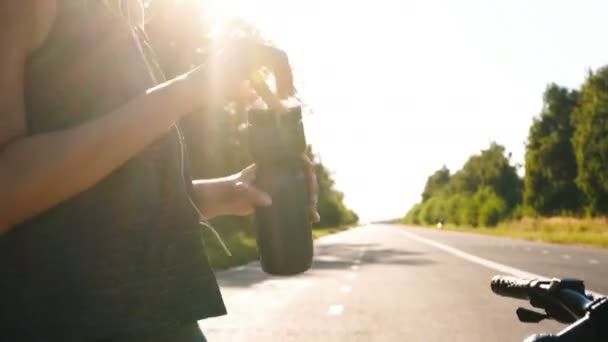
column 45, row 13
column 30, row 20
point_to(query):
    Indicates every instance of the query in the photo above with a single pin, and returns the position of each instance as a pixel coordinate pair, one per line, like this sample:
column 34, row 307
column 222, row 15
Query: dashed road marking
column 545, row 251
column 351, row 275
column 354, row 267
column 335, row 310
column 594, row 262
column 566, row 256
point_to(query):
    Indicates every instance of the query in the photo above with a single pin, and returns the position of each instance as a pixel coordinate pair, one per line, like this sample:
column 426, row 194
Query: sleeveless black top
column 125, row 256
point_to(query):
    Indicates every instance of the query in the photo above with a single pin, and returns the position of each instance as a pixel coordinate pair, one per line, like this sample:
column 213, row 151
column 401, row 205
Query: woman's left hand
column 238, row 195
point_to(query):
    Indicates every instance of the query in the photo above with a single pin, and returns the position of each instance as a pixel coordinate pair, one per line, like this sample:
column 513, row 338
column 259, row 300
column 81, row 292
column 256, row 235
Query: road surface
column 392, row 283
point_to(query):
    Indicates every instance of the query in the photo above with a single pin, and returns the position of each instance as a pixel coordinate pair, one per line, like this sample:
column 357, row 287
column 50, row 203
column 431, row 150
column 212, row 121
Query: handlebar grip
column 509, row 286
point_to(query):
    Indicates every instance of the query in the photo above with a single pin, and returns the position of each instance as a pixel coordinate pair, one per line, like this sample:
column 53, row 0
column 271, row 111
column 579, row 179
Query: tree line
column 565, row 167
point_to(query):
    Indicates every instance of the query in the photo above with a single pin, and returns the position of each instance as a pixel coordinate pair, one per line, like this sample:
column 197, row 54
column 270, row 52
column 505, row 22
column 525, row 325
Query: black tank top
column 126, row 255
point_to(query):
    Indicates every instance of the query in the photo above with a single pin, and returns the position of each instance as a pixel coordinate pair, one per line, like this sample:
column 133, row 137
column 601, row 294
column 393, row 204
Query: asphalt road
column 389, row 283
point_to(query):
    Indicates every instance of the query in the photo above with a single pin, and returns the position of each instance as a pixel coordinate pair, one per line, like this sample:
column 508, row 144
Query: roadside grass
column 239, row 236
column 560, row 230
column 323, row 231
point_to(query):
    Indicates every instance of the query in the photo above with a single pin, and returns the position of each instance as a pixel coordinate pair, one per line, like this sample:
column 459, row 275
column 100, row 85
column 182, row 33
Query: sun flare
column 258, row 13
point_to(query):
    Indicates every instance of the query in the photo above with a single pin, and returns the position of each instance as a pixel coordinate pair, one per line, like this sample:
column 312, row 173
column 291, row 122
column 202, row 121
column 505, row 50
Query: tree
column 331, row 205
column 551, row 171
column 491, row 208
column 454, row 208
column 435, row 183
column 489, row 168
column 590, row 141
column 413, row 215
column 432, row 210
column 483, row 192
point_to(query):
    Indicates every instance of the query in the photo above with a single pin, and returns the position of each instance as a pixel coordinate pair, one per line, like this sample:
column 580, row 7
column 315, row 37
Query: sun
column 258, row 13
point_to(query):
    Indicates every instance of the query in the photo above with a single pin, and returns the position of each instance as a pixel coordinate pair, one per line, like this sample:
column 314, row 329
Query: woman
column 98, row 222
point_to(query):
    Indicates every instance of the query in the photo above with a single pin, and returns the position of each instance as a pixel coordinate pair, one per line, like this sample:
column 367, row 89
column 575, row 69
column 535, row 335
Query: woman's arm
column 238, row 195
column 39, row 172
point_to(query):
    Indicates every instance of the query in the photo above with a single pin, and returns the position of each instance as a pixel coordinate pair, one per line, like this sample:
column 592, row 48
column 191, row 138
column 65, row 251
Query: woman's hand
column 239, row 61
column 237, row 194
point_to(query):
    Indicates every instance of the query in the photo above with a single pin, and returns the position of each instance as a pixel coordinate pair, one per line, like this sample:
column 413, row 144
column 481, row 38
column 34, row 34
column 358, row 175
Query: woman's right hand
column 239, row 61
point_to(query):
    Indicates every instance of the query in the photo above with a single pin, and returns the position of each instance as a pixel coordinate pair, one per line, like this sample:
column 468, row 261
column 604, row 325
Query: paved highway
column 392, row 283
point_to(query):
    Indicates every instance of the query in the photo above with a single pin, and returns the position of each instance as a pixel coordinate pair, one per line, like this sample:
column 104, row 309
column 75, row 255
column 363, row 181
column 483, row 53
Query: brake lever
column 530, row 316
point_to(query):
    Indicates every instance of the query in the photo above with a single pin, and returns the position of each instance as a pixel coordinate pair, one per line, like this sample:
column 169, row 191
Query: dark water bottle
column 284, row 232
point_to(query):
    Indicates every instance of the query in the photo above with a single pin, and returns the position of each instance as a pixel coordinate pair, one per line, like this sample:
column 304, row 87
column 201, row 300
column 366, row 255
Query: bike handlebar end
column 509, row 286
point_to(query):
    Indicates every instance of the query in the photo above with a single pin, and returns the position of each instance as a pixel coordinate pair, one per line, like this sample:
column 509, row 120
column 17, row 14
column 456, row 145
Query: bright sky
column 401, row 87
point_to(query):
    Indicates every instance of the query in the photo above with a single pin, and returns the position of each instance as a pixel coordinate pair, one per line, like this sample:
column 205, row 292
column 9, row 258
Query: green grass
column 241, row 244
column 239, row 236
column 560, row 230
column 320, row 232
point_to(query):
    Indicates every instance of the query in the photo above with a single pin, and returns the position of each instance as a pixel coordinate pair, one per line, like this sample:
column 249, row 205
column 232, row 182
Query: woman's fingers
column 255, row 196
column 282, row 73
column 313, row 188
column 258, row 197
column 241, row 60
column 272, row 100
column 309, row 171
column 265, row 56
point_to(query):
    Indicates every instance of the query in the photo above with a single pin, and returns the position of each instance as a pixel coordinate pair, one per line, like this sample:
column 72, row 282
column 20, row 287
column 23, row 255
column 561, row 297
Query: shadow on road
column 329, row 257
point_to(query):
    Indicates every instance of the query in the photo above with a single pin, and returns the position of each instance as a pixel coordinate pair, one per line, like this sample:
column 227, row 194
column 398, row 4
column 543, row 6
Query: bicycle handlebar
column 563, row 300
column 512, row 287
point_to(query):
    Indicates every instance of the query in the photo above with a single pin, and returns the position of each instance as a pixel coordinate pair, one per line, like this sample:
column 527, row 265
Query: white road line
column 363, row 249
column 594, row 262
column 328, row 258
column 480, row 261
column 354, row 267
column 345, row 289
column 360, row 256
column 335, row 310
column 240, row 268
column 566, row 256
column 545, row 251
column 528, row 249
column 351, row 275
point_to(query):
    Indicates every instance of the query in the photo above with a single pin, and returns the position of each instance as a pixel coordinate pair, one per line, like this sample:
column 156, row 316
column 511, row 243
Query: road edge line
column 480, row 261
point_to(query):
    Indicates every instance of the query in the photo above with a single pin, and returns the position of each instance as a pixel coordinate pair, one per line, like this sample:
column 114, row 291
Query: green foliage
column 483, row 192
column 491, row 209
column 562, row 230
column 413, row 216
column 431, row 211
column 549, row 184
column 517, row 213
column 436, row 183
column 490, row 168
column 455, row 207
column 590, row 141
column 331, row 205
column 566, row 158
